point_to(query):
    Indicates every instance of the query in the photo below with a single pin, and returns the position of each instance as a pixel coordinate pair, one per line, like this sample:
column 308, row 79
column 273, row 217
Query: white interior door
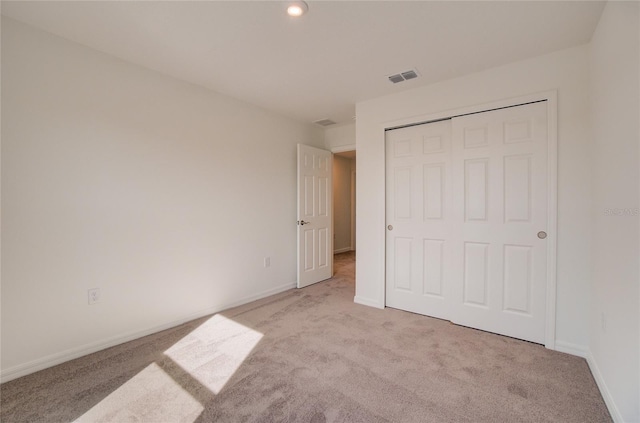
column 419, row 216
column 315, row 240
column 465, row 214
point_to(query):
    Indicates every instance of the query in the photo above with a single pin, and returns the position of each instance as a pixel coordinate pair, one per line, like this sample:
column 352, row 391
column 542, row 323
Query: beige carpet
column 312, row 355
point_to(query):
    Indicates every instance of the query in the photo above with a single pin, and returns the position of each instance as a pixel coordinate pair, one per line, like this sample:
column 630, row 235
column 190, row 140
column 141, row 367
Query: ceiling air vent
column 409, row 74
column 325, row 122
column 403, row 76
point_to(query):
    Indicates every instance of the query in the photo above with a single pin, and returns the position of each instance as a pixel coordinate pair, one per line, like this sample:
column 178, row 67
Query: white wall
column 341, row 204
column 615, row 88
column 565, row 71
column 163, row 194
column 340, row 138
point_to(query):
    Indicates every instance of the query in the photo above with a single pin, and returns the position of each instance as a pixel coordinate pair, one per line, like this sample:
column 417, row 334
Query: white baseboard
column 606, row 395
column 367, row 302
column 70, row 354
column 573, row 349
column 584, row 352
column 259, row 296
column 341, row 250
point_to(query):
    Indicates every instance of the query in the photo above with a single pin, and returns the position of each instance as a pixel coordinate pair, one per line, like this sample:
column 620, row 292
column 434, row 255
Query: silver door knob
column 390, row 227
column 542, row 234
column 302, row 222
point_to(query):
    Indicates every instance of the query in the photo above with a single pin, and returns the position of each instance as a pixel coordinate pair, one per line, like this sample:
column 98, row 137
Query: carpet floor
column 312, row 355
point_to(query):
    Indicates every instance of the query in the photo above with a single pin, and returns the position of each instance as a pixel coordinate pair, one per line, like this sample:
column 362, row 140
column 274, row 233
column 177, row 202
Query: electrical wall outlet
column 94, row 295
column 267, row 261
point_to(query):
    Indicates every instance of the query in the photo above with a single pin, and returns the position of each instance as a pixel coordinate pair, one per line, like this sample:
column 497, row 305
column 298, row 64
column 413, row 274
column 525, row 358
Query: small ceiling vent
column 325, row 122
column 403, row 76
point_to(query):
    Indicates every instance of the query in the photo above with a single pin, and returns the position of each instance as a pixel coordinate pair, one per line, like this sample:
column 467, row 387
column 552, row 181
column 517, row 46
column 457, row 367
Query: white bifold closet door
column 466, row 214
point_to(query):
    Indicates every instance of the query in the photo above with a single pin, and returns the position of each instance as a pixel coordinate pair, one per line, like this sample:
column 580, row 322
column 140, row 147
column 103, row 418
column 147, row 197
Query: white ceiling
column 317, row 66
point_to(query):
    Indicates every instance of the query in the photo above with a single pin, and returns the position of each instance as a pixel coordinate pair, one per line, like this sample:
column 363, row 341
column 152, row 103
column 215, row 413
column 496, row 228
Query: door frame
column 342, row 149
column 353, row 210
column 551, row 97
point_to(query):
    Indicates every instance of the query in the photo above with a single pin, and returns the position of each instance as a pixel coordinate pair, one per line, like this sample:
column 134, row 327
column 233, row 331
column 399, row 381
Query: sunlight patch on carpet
column 152, row 396
column 193, row 371
column 213, row 352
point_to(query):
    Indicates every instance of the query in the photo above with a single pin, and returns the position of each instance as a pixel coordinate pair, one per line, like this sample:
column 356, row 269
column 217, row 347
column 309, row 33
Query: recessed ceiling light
column 297, row 8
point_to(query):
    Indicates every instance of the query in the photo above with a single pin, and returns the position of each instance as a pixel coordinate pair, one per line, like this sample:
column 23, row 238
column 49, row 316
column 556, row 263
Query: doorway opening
column 344, row 202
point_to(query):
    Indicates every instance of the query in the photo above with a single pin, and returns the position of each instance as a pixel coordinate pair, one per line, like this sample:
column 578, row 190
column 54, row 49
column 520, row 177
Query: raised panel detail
column 475, row 137
column 402, row 193
column 323, row 240
column 517, row 188
column 517, row 131
column 403, row 253
column 309, row 195
column 402, row 148
column 309, row 249
column 433, row 266
column 433, row 190
column 517, row 278
column 476, row 189
column 476, row 267
column 323, row 196
column 432, row 145
column 323, row 164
